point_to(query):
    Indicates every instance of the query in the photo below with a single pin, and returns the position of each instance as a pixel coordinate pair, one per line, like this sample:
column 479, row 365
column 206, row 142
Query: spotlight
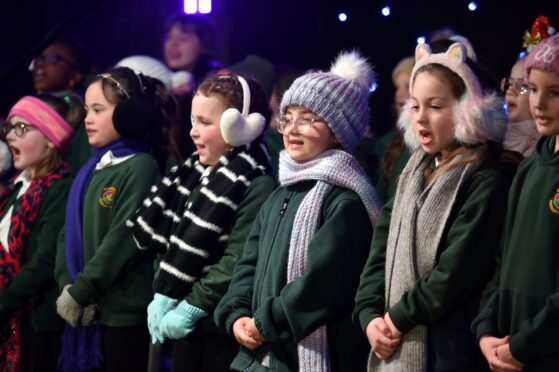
column 385, row 11
column 205, row 6
column 521, row 55
column 421, row 40
column 373, row 87
column 342, row 17
column 472, row 6
column 190, row 6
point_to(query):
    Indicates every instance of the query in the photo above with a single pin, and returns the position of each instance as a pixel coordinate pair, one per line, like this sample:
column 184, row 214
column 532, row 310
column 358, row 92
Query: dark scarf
column 81, row 348
column 22, row 221
column 194, row 232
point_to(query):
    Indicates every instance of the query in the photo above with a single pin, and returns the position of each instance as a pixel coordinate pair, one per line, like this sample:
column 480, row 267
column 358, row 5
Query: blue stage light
column 472, row 6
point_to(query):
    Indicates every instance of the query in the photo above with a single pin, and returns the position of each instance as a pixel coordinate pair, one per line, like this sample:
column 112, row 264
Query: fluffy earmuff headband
column 478, row 117
column 241, row 128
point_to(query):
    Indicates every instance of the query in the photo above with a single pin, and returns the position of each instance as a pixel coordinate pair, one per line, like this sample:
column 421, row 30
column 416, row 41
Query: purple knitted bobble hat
column 340, row 96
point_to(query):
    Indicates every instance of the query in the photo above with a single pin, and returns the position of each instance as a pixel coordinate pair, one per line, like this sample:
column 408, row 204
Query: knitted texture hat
column 478, row 117
column 544, row 56
column 340, row 96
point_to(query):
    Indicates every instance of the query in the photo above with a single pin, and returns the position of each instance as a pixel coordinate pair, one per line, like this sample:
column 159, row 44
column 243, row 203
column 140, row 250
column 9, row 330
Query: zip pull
column 284, row 206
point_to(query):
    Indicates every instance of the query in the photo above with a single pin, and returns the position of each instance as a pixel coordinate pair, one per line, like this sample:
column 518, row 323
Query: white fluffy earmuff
column 239, row 128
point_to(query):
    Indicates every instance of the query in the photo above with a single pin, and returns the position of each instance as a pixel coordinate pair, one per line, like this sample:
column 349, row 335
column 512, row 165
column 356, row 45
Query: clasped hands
column 383, row 336
column 171, row 318
column 74, row 313
column 497, row 352
column 246, row 333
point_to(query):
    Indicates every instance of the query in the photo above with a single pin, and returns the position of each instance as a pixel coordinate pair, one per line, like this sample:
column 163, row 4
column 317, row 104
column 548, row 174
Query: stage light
column 190, row 6
column 472, row 6
column 522, row 55
column 373, row 87
column 421, row 40
column 342, row 17
column 205, row 6
column 197, row 6
column 385, row 11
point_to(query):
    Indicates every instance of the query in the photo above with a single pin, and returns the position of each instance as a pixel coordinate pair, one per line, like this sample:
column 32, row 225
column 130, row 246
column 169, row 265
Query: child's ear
column 50, row 145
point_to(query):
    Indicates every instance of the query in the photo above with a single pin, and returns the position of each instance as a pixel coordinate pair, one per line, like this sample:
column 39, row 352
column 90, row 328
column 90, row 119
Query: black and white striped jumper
column 189, row 215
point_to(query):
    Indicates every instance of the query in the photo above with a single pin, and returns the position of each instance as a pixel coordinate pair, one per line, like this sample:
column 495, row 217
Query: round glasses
column 19, row 128
column 518, row 85
column 302, row 124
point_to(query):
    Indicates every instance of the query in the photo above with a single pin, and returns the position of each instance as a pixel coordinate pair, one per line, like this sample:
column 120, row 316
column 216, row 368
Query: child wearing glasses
column 517, row 328
column 522, row 134
column 105, row 280
column 291, row 296
column 199, row 216
column 32, row 210
column 435, row 246
column 61, row 69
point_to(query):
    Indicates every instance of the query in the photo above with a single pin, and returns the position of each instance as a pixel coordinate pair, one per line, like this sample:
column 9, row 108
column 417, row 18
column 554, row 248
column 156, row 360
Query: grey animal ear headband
column 119, row 86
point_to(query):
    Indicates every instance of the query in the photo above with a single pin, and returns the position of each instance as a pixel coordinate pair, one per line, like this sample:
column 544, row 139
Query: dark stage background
column 304, row 33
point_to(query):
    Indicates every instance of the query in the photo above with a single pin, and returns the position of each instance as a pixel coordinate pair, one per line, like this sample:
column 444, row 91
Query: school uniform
column 522, row 301
column 286, row 313
column 446, row 299
column 116, row 276
column 33, row 288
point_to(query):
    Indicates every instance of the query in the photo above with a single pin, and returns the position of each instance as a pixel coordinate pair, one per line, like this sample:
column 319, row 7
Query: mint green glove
column 180, row 321
column 158, row 307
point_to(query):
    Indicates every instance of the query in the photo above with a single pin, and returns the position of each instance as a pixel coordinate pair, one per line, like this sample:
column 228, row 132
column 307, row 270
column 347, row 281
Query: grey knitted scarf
column 332, row 167
column 418, row 220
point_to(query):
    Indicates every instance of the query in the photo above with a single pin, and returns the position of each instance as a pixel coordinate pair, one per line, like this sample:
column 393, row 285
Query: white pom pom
column 181, row 77
column 352, row 66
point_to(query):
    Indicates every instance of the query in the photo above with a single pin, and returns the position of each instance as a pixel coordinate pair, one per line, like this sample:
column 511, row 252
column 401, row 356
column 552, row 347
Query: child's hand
column 504, row 354
column 395, row 332
column 239, row 330
column 489, row 345
column 252, row 331
column 381, row 339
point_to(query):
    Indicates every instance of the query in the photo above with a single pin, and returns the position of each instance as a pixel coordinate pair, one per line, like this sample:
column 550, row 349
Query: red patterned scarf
column 22, row 221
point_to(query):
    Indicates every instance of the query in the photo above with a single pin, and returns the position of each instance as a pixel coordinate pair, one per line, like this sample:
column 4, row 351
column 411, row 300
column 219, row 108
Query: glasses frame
column 519, row 85
column 50, row 59
column 19, row 128
column 303, row 124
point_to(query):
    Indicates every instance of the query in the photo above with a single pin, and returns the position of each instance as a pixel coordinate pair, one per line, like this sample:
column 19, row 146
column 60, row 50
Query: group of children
column 455, row 272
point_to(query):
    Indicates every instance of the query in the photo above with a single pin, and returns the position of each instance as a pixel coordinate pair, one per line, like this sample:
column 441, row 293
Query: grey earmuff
column 239, row 128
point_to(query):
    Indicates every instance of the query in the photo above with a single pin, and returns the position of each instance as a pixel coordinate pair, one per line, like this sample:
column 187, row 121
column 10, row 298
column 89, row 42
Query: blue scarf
column 81, row 348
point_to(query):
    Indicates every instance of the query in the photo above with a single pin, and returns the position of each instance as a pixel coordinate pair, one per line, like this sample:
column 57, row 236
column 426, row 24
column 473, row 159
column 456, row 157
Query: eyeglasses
column 303, row 124
column 49, row 59
column 518, row 85
column 19, row 128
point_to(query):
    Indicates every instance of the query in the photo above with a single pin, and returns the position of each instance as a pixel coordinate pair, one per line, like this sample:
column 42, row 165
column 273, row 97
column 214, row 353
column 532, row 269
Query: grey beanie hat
column 340, row 96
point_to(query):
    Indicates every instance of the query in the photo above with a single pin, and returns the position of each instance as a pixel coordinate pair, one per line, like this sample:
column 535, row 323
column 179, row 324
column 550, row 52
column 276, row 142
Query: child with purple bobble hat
column 290, row 299
column 517, row 328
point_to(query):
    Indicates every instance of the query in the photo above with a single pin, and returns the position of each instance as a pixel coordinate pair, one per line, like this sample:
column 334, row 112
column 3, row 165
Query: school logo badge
column 554, row 202
column 107, row 199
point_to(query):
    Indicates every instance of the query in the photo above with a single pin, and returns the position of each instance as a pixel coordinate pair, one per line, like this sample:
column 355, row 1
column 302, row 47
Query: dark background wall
column 304, row 33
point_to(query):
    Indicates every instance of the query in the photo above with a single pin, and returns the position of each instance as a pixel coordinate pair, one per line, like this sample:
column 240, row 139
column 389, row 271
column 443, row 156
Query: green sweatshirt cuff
column 485, row 328
column 520, row 350
column 399, row 318
column 80, row 293
column 365, row 317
